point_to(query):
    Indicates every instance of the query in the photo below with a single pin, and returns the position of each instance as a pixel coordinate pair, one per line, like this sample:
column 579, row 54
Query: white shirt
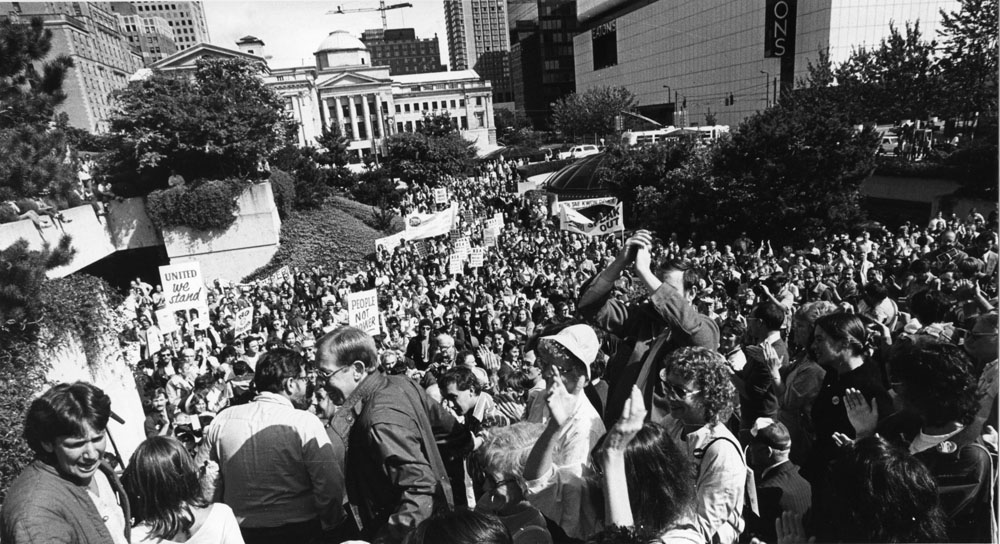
column 220, row 527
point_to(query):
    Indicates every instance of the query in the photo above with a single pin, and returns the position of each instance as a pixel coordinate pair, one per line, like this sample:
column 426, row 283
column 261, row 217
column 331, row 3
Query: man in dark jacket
column 395, row 475
column 649, row 329
column 780, row 488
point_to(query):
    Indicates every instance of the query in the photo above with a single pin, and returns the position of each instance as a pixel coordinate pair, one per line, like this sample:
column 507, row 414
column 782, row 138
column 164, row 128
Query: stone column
column 340, row 115
column 354, row 118
column 382, row 129
column 327, row 120
column 366, row 111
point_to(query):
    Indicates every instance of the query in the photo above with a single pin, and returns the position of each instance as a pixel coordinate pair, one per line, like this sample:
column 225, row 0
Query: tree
column 969, row 62
column 419, row 158
column 591, row 113
column 35, row 158
column 436, row 125
column 792, row 173
column 21, row 280
column 221, row 123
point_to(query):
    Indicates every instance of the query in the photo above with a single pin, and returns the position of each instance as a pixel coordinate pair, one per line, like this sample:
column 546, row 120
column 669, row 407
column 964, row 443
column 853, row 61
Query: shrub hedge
column 283, row 187
column 209, row 205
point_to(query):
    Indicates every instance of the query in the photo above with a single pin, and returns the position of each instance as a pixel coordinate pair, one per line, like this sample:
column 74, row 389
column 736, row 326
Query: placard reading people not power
column 362, row 311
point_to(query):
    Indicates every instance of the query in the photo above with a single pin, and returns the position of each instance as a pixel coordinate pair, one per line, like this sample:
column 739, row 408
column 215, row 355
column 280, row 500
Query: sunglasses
column 674, row 389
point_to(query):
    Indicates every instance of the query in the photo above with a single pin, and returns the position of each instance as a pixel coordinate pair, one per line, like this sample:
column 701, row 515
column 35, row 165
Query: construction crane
column 381, row 8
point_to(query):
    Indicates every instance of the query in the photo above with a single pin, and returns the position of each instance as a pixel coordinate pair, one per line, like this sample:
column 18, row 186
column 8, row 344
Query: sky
column 292, row 30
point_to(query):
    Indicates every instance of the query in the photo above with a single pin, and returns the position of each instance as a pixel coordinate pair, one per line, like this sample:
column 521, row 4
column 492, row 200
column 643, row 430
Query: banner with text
column 362, row 311
column 476, row 257
column 593, row 220
column 428, row 225
column 390, row 243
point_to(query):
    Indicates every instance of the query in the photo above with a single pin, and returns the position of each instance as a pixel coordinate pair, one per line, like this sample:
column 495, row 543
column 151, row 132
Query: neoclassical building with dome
column 344, row 92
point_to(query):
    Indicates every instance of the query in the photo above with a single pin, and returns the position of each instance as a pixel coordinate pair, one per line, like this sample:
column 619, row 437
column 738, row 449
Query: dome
column 579, row 180
column 341, row 40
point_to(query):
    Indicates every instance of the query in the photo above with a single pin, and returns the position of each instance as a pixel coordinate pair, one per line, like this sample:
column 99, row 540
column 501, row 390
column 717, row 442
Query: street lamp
column 767, row 80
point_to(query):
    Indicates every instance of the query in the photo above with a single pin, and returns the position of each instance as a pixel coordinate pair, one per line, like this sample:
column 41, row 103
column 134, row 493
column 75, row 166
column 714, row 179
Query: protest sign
column 467, row 215
column 525, row 186
column 455, row 264
column 440, row 195
column 184, row 288
column 493, row 223
column 244, row 319
column 476, row 257
column 421, row 248
column 362, row 311
column 498, row 217
column 593, row 220
column 280, row 275
column 490, row 237
column 463, row 245
column 558, row 205
column 166, row 321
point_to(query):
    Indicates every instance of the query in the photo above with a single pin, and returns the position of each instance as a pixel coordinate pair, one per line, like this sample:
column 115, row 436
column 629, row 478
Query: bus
column 705, row 135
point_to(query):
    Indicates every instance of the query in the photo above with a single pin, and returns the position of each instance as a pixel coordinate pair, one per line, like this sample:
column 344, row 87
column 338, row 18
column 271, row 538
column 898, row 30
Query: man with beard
column 277, row 468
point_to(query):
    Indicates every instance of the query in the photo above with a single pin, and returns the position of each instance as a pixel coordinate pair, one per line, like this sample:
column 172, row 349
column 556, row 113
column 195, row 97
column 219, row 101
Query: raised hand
column 790, row 530
column 631, row 421
column 862, row 414
column 560, row 401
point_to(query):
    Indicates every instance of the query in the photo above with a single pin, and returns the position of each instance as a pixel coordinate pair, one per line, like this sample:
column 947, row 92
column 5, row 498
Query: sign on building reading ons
column 779, row 28
column 604, row 41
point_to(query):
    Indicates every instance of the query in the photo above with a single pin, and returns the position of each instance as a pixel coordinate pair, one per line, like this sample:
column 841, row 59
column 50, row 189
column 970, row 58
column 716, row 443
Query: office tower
column 478, row 38
column 187, row 19
column 103, row 61
column 151, row 37
column 402, row 51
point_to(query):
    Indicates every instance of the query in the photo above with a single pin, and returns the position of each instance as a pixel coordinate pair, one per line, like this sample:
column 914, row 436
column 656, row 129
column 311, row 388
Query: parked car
column 556, row 151
column 581, row 151
column 889, row 145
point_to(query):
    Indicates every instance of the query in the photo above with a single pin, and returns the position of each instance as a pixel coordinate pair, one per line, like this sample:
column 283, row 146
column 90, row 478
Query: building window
column 406, row 107
column 399, row 109
column 479, row 101
column 461, row 102
column 465, row 123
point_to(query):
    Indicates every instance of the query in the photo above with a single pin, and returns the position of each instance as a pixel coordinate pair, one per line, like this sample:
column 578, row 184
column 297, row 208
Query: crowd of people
column 622, row 388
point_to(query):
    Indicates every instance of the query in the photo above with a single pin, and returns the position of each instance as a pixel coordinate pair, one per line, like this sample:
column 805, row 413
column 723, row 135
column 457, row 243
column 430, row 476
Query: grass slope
column 339, row 231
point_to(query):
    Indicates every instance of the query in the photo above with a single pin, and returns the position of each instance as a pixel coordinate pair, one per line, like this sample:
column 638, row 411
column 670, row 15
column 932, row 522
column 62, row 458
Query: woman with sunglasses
column 701, row 399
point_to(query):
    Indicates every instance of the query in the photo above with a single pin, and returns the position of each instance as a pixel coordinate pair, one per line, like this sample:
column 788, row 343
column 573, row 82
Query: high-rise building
column 151, row 37
column 186, row 19
column 87, row 32
column 478, row 38
column 542, row 58
column 690, row 63
column 402, row 51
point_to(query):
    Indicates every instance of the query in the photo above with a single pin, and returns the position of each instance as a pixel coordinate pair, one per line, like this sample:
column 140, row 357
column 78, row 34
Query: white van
column 583, row 151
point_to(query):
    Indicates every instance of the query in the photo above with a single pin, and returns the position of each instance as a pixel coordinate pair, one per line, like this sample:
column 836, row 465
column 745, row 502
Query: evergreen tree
column 36, row 158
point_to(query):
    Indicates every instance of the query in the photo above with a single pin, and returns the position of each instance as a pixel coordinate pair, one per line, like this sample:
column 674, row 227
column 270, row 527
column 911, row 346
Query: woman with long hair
column 164, row 487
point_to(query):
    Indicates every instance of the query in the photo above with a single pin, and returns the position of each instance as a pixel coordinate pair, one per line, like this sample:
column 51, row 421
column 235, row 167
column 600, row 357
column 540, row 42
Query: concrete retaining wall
column 231, row 254
column 239, row 250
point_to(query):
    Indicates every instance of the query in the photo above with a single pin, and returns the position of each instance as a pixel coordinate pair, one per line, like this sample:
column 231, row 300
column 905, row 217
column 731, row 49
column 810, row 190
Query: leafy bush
column 537, row 168
column 8, row 215
column 311, row 188
column 283, row 187
column 211, row 205
column 375, row 188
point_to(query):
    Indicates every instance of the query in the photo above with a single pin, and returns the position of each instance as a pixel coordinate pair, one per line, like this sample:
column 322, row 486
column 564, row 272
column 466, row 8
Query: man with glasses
column 276, row 465
column 653, row 326
column 396, row 479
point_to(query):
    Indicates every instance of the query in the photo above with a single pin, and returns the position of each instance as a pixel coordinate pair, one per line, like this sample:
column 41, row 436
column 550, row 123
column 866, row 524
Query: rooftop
column 432, row 77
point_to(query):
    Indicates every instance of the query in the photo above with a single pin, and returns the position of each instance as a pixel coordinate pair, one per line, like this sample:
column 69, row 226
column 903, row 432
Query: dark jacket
column 666, row 317
column 963, row 470
column 781, row 489
column 391, row 485
column 42, row 506
column 414, row 351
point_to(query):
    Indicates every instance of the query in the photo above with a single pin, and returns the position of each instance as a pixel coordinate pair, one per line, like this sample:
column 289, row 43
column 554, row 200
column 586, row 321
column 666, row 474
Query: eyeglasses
column 675, row 389
column 326, row 374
